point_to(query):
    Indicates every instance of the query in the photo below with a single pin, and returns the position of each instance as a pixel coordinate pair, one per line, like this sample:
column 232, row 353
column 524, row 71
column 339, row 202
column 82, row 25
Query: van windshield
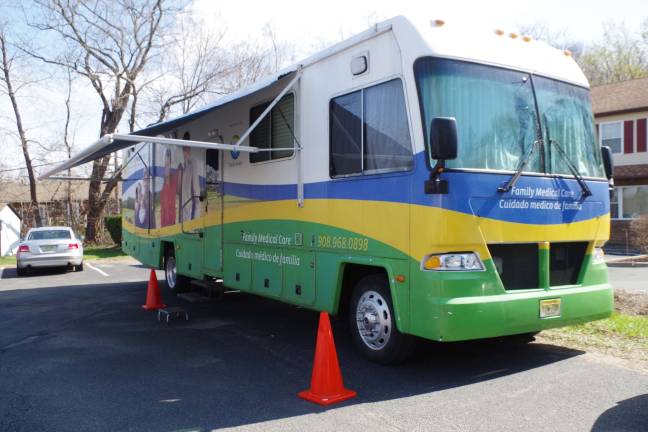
column 497, row 120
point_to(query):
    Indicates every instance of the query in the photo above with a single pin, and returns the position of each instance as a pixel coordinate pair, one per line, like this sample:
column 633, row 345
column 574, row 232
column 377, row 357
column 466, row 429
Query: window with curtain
column 567, row 121
column 275, row 131
column 612, row 135
column 369, row 131
column 497, row 120
column 345, row 119
column 493, row 107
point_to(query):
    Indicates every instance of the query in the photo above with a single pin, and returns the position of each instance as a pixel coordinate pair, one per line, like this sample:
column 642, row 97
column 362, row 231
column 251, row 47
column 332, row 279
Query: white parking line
column 98, row 270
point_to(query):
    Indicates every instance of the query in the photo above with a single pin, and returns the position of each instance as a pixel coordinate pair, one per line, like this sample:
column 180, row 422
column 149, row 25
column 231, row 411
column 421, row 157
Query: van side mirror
column 443, row 147
column 443, row 138
column 608, row 162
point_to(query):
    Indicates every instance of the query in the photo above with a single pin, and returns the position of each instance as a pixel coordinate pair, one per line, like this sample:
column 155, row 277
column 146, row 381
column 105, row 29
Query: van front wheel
column 372, row 323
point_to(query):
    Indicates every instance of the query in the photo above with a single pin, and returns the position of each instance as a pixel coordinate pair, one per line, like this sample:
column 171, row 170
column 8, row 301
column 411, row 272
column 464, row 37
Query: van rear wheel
column 372, row 323
column 175, row 282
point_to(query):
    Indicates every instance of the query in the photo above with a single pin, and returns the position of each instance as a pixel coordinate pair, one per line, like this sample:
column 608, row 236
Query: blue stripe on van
column 470, row 193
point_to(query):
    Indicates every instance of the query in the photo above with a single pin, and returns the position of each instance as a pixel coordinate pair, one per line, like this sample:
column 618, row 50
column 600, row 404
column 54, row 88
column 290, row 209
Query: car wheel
column 372, row 323
column 21, row 271
column 175, row 282
column 79, row 267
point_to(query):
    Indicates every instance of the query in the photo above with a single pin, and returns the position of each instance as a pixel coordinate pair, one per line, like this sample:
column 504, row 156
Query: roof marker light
column 437, row 23
column 499, row 32
column 527, row 38
column 567, row 53
column 513, row 35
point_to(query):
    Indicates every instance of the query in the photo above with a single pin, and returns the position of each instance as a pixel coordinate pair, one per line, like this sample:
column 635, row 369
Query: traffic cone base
column 155, row 307
column 326, row 382
column 153, row 298
column 327, row 399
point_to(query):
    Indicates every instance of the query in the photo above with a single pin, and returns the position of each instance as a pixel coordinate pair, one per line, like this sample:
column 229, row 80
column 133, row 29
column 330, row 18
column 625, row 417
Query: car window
column 49, row 235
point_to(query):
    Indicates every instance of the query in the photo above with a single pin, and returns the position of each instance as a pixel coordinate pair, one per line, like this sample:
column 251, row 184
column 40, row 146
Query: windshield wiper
column 579, row 178
column 523, row 163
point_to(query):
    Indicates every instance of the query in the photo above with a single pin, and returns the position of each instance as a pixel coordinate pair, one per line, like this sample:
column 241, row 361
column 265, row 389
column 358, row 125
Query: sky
column 312, row 25
column 306, row 21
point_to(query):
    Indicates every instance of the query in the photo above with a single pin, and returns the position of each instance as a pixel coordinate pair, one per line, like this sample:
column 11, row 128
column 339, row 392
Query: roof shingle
column 620, row 97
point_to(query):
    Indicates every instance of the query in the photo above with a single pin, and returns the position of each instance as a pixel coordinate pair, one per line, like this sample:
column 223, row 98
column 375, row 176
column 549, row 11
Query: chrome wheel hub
column 374, row 320
column 170, row 272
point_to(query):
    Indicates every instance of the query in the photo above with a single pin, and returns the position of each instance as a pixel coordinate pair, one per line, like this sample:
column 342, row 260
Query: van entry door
column 213, row 220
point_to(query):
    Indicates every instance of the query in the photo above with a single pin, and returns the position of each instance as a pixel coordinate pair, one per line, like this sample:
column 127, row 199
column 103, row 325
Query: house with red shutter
column 621, row 113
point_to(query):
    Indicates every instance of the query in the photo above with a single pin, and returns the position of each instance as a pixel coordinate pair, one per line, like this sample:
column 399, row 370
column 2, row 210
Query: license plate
column 48, row 248
column 549, row 308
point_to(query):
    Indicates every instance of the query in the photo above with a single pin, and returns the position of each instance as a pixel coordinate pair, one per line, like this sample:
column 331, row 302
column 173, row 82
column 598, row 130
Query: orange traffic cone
column 153, row 298
column 326, row 383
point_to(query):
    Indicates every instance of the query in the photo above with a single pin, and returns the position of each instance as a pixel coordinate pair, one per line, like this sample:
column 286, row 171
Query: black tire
column 382, row 342
column 79, row 267
column 176, row 284
column 21, row 271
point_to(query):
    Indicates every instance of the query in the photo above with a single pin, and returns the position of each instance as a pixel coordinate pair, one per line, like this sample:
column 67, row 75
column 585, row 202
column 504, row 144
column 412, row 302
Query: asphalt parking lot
column 77, row 353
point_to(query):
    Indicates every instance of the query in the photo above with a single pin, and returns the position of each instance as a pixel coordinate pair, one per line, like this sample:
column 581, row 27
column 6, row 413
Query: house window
column 614, row 204
column 629, row 202
column 275, row 131
column 612, row 136
column 634, row 202
column 369, row 132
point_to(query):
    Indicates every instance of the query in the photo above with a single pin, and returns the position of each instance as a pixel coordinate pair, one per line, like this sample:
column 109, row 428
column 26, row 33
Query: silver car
column 49, row 247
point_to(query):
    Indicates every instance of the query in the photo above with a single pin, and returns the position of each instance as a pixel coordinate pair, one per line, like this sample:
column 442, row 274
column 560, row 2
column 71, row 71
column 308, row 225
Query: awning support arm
column 269, row 108
column 180, row 142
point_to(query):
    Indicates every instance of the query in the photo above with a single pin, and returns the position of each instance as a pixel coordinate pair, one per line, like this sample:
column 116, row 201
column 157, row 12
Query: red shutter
column 641, row 135
column 628, row 136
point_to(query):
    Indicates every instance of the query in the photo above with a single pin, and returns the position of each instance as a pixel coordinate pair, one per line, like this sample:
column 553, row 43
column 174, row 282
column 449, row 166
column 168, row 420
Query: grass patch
column 89, row 253
column 103, row 252
column 623, row 336
column 626, row 326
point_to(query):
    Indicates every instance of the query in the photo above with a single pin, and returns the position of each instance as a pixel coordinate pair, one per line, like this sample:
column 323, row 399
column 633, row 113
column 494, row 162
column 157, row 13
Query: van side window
column 276, row 130
column 369, row 132
column 345, row 119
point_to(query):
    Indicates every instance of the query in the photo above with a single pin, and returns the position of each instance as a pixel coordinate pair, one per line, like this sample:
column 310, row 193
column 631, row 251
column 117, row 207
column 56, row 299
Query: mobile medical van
column 426, row 181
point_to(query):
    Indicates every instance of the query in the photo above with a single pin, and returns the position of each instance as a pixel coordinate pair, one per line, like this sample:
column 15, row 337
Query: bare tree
column 68, row 147
column 109, row 43
column 11, row 90
column 255, row 59
column 621, row 55
column 191, row 68
column 560, row 39
column 198, row 65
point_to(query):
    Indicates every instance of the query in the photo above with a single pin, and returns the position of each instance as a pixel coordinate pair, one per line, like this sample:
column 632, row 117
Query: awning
column 111, row 143
column 287, row 77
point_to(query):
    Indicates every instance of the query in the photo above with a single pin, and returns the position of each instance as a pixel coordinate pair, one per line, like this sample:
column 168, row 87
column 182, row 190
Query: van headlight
column 460, row 261
column 598, row 257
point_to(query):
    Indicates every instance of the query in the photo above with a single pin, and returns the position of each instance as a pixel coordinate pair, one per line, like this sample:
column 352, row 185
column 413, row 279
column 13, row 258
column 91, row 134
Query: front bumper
column 53, row 260
column 512, row 313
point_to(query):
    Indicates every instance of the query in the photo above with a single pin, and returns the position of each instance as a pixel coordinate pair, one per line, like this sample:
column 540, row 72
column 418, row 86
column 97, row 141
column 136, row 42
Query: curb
column 627, row 264
column 628, row 261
